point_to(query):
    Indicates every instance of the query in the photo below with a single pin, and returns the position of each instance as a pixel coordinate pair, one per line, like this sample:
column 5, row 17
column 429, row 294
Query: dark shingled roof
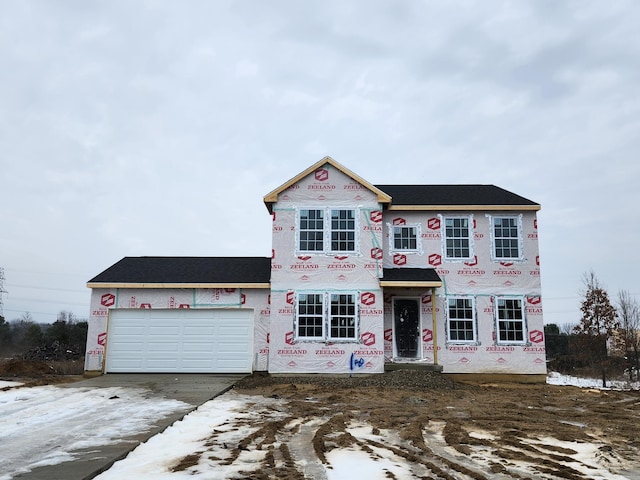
column 452, row 195
column 410, row 275
column 223, row 270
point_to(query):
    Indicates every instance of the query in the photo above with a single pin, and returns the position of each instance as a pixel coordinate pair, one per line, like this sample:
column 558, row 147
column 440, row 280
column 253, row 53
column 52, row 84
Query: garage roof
column 181, row 272
column 410, row 277
column 455, row 197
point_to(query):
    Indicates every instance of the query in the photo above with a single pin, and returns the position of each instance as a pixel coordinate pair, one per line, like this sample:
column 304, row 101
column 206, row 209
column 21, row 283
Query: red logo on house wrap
column 375, row 216
column 399, row 221
column 304, row 258
column 102, row 338
column 534, row 300
column 108, row 300
column 368, row 338
column 536, row 336
column 322, row 174
column 435, row 259
column 433, row 223
column 399, row 259
column 377, row 253
column 426, row 299
column 427, row 335
column 289, row 297
column 538, row 260
column 506, row 264
column 472, row 263
column 145, row 305
column 388, row 335
column 368, row 298
column 184, row 305
column 288, row 338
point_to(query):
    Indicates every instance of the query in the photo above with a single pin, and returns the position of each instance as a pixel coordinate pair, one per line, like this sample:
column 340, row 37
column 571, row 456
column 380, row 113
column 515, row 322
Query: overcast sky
column 133, row 128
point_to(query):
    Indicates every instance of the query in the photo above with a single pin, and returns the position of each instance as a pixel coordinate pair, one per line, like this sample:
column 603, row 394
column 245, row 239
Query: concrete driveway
column 193, row 389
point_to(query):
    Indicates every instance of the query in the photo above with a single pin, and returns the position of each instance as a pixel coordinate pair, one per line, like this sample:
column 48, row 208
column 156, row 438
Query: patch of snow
column 349, row 464
column 7, row 383
column 555, row 378
column 155, row 458
column 46, row 425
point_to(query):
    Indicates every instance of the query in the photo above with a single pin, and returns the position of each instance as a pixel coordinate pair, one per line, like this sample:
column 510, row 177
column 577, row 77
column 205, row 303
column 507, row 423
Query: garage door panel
column 189, row 340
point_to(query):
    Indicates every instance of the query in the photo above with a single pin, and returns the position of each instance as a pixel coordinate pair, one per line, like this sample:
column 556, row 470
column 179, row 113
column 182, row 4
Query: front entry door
column 406, row 318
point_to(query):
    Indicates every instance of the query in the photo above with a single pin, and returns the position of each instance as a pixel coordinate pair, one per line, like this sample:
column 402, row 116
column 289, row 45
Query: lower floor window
column 326, row 316
column 510, row 318
column 461, row 319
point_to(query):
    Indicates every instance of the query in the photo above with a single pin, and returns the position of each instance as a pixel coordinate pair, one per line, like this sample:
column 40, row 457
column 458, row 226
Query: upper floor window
column 312, row 230
column 405, row 237
column 343, row 231
column 337, row 235
column 510, row 320
column 506, row 236
column 457, row 237
column 327, row 316
column 461, row 318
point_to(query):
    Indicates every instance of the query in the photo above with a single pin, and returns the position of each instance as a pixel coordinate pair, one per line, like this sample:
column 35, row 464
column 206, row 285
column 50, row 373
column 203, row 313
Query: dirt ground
column 451, row 430
column 434, row 427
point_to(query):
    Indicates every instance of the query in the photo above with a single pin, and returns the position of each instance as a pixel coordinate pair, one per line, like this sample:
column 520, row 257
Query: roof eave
column 410, row 283
column 500, row 208
column 176, row 285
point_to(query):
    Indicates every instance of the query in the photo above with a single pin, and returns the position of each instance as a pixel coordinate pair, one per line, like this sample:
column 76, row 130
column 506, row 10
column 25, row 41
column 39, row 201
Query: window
column 405, row 238
column 343, row 316
column 510, row 317
column 457, row 237
column 327, row 316
column 461, row 318
column 343, row 231
column 506, row 237
column 337, row 235
column 310, row 315
column 311, row 230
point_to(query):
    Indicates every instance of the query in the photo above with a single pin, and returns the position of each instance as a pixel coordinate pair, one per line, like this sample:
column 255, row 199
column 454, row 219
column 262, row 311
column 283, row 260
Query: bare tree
column 599, row 318
column 629, row 314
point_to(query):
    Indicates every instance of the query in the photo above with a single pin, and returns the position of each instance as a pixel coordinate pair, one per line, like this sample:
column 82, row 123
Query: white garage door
column 180, row 340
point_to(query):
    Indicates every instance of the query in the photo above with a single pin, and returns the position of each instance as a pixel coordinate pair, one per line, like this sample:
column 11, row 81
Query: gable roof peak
column 272, row 197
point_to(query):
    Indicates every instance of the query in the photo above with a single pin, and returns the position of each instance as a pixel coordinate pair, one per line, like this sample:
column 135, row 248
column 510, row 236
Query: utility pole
column 2, row 290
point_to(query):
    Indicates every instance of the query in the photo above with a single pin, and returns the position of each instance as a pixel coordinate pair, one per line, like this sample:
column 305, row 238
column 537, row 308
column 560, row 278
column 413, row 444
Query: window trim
column 470, row 238
column 520, row 239
column 474, row 320
column 328, row 230
column 392, row 247
column 327, row 317
column 523, row 320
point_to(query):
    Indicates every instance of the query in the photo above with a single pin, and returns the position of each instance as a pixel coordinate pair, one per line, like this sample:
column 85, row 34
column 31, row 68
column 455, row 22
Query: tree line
column 63, row 339
column 606, row 339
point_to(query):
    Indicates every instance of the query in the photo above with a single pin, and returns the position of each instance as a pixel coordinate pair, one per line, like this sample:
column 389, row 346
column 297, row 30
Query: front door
column 406, row 323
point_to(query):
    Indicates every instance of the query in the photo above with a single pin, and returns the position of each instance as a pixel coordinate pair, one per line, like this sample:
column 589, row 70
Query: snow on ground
column 50, row 424
column 6, row 383
column 555, row 378
column 155, row 458
column 47, row 425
